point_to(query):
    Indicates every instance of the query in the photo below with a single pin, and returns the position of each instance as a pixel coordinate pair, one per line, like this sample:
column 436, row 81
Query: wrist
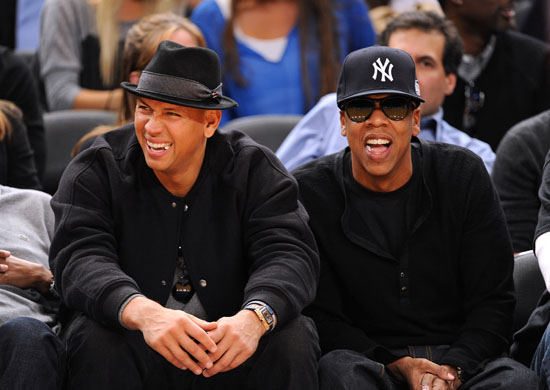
column 136, row 312
column 264, row 313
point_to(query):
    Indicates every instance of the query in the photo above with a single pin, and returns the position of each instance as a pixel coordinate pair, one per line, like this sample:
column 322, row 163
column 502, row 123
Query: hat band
column 176, row 87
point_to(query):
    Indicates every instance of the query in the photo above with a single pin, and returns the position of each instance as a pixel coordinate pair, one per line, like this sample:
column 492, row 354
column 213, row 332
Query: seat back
column 268, row 130
column 529, row 285
column 62, row 131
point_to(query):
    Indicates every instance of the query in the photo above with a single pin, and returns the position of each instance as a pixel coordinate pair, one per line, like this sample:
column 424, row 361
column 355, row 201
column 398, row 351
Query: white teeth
column 377, row 141
column 159, row 146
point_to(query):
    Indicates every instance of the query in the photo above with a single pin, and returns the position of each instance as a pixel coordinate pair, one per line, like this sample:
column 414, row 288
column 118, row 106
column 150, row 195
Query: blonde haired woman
column 80, row 45
column 17, row 167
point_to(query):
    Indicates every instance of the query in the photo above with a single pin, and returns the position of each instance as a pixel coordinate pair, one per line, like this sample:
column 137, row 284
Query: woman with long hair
column 80, row 46
column 281, row 56
column 17, row 167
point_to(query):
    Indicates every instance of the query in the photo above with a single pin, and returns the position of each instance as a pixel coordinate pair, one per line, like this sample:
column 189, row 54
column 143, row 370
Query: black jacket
column 451, row 286
column 243, row 232
column 516, row 83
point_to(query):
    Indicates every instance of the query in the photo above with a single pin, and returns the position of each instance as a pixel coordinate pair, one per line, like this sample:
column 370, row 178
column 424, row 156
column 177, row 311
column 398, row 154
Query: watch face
column 267, row 315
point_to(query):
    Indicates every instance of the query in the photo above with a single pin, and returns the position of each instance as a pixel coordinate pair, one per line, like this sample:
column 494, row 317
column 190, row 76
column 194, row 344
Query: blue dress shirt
column 318, row 134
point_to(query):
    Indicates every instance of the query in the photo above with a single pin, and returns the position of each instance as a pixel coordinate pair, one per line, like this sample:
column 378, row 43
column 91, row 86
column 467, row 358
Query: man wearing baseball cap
column 416, row 287
column 183, row 255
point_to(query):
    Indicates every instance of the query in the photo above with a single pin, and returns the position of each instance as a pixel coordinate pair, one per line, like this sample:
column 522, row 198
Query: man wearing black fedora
column 416, row 288
column 182, row 256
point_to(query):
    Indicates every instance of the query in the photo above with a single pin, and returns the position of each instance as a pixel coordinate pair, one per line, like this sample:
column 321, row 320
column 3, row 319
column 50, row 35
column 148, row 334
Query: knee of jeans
column 298, row 338
column 25, row 330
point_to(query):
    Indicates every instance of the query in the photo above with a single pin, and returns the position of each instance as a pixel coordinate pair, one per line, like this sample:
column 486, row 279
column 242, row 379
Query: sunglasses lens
column 359, row 110
column 395, row 108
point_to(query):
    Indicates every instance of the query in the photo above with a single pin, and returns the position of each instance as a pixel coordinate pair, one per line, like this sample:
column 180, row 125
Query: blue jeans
column 541, row 360
column 31, row 356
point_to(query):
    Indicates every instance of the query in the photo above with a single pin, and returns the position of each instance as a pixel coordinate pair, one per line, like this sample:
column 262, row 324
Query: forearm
column 98, row 100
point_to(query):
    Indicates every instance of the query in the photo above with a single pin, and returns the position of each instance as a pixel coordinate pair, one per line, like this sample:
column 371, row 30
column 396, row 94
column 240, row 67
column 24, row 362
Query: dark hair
column 429, row 21
column 313, row 16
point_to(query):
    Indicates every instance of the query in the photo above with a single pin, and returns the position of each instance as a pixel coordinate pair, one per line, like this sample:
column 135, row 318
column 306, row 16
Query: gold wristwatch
column 264, row 312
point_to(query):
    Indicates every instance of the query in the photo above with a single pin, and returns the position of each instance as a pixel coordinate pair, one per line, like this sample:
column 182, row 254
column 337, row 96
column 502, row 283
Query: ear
column 343, row 124
column 212, row 119
column 134, row 76
column 450, row 83
column 416, row 122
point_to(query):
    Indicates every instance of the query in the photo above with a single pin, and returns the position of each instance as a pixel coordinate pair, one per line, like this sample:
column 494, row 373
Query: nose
column 377, row 117
column 153, row 125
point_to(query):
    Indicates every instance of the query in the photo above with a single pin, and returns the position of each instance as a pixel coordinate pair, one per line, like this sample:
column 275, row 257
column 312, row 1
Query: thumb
column 445, row 374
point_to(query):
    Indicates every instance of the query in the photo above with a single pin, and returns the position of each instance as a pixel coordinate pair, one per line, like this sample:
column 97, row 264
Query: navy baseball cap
column 376, row 70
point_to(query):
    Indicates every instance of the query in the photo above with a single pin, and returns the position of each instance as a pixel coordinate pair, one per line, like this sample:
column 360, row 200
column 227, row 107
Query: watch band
column 264, row 312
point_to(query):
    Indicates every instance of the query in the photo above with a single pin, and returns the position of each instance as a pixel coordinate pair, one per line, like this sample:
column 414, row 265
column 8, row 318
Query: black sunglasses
column 183, row 289
column 395, row 108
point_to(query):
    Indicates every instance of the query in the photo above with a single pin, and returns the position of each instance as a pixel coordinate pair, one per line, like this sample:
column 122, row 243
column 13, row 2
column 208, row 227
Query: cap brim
column 379, row 92
column 221, row 103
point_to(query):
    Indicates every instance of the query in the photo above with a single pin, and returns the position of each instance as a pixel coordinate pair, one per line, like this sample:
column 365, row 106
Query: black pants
column 102, row 358
column 348, row 370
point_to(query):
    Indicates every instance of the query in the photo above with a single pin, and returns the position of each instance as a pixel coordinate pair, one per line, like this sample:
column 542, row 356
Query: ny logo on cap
column 378, row 67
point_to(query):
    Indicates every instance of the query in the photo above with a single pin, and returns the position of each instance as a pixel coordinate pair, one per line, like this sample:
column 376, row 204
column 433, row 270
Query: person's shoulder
column 21, row 195
column 116, row 144
column 320, row 170
column 528, row 134
column 523, row 40
column 449, row 159
column 211, row 8
column 234, row 150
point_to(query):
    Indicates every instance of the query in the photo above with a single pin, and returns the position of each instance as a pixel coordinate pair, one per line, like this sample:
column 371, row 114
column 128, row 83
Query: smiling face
column 381, row 148
column 426, row 49
column 173, row 140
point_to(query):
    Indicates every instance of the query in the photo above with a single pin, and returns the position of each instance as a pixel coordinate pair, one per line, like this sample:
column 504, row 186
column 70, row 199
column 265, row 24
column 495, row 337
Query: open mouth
column 378, row 145
column 158, row 147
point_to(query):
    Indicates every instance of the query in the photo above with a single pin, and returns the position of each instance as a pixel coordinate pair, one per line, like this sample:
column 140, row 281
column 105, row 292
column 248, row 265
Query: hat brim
column 378, row 92
column 221, row 103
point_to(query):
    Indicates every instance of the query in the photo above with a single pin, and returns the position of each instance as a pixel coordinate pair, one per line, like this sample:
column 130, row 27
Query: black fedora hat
column 377, row 70
column 186, row 76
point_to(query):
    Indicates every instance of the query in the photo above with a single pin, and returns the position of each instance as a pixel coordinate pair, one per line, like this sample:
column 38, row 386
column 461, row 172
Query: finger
column 237, row 361
column 3, row 267
column 223, row 363
column 193, row 349
column 201, row 337
column 175, row 361
column 4, row 253
column 440, row 384
column 437, row 370
column 426, row 382
column 207, row 326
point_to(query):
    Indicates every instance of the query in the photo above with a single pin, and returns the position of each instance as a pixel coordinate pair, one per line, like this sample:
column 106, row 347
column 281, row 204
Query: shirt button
column 185, row 208
column 174, row 205
column 202, row 282
column 163, row 282
column 403, row 289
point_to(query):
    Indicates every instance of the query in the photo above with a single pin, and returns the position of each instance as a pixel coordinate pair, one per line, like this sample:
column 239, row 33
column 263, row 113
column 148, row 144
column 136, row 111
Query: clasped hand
column 422, row 374
column 188, row 342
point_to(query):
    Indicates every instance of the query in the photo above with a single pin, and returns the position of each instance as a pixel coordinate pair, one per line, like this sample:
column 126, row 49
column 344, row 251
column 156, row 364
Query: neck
column 180, row 183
